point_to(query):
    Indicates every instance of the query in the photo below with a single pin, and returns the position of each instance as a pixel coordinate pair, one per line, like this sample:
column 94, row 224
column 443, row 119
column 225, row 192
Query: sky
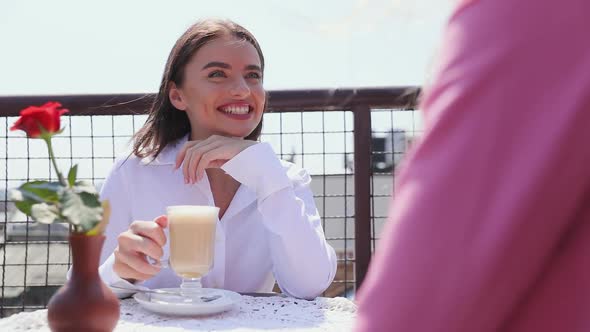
column 114, row 46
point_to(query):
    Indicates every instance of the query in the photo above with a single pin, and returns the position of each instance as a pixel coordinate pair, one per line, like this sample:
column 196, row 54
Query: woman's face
column 222, row 90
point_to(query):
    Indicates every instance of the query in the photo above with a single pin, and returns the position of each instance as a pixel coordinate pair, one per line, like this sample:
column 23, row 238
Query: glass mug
column 192, row 244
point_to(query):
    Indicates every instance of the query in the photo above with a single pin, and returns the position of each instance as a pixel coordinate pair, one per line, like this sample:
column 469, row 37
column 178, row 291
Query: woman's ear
column 176, row 98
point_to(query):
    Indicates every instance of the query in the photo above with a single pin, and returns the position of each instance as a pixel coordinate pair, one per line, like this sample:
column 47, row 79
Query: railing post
column 362, row 190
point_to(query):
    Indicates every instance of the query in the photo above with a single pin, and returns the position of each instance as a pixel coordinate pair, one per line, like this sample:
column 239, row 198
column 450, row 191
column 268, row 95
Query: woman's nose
column 240, row 88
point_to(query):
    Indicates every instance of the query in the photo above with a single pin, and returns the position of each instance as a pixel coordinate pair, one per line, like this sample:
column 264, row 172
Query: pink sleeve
column 485, row 197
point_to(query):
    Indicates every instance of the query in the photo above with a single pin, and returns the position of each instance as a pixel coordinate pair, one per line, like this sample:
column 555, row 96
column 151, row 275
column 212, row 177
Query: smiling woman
column 199, row 146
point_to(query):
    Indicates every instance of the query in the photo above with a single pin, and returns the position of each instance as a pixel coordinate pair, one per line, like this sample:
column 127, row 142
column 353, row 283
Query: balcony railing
column 350, row 140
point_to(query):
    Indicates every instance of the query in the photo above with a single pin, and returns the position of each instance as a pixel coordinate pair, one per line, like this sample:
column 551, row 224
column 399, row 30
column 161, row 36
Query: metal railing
column 369, row 171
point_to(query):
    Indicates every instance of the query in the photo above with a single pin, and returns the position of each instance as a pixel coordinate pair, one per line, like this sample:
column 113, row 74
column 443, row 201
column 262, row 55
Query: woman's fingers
column 181, row 154
column 139, row 264
column 139, row 244
column 125, row 272
column 192, row 156
column 162, row 221
column 144, row 238
column 210, row 159
column 149, row 229
column 197, row 162
column 128, row 266
column 136, row 244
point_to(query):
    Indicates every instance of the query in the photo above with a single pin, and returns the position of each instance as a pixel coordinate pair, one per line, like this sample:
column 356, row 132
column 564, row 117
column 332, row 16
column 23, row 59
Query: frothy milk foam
column 192, row 239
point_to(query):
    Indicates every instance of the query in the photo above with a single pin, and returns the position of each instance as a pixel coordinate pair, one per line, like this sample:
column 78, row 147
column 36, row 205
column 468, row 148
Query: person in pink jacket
column 490, row 226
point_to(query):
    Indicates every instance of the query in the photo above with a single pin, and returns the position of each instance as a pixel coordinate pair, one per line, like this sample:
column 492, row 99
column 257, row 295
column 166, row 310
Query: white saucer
column 163, row 304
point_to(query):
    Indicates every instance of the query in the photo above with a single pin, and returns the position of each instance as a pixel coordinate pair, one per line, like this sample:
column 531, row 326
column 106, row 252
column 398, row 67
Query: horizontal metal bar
column 22, row 286
column 278, row 101
column 37, row 264
column 10, row 243
column 106, row 158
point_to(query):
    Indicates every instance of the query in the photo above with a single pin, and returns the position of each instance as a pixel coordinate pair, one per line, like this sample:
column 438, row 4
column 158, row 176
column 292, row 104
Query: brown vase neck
column 86, row 254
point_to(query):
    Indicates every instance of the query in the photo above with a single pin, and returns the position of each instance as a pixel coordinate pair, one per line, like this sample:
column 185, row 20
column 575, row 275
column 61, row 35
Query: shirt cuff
column 258, row 168
column 110, row 278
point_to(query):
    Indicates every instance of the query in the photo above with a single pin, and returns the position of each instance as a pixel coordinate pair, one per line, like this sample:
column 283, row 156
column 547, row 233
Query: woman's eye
column 254, row 75
column 216, row 73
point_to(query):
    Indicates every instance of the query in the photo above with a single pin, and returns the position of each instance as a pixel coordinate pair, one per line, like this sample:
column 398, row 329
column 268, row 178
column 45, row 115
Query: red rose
column 32, row 117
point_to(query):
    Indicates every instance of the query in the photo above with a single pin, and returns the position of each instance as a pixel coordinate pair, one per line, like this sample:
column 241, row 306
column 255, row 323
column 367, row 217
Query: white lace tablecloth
column 251, row 314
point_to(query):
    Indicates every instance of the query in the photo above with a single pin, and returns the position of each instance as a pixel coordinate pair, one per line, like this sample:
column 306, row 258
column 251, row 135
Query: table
column 251, row 314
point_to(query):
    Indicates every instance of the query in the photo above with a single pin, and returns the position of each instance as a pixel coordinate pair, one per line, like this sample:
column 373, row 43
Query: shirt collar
column 168, row 155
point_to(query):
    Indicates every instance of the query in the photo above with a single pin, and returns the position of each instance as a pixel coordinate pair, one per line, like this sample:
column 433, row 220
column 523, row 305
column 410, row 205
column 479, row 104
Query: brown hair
column 165, row 123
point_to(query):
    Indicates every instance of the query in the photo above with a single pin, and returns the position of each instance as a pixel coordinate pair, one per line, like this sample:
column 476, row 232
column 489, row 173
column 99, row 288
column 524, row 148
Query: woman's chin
column 235, row 133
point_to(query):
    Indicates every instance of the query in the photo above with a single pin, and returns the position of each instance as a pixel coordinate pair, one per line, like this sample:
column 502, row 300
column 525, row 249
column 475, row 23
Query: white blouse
column 271, row 229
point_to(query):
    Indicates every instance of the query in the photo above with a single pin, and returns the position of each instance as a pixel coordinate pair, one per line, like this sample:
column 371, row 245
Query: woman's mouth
column 236, row 111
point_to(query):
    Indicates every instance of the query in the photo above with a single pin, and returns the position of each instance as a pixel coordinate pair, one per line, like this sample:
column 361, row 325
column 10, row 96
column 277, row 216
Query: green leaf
column 42, row 191
column 81, row 209
column 85, row 187
column 34, row 193
column 24, row 200
column 25, row 206
column 72, row 175
column 44, row 213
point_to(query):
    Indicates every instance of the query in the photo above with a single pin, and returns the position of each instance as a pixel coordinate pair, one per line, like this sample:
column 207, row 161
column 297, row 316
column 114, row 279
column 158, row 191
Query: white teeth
column 236, row 109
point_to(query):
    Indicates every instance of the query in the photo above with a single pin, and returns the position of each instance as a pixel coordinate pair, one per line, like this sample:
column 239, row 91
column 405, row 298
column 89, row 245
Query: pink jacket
column 490, row 227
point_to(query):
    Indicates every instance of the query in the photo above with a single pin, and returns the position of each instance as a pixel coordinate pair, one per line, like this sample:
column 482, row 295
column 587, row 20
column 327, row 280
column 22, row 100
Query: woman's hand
column 143, row 238
column 196, row 156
